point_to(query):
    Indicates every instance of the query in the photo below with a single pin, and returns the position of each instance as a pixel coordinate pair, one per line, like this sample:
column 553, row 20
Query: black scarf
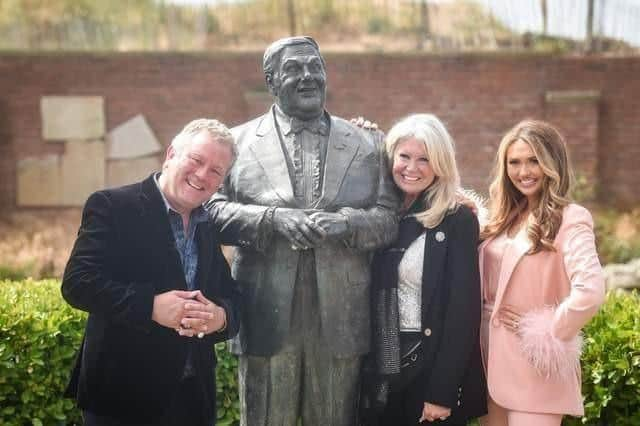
column 382, row 365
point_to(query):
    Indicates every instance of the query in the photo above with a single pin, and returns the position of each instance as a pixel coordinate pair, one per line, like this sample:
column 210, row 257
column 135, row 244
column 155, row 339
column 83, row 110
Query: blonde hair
column 217, row 130
column 507, row 202
column 440, row 197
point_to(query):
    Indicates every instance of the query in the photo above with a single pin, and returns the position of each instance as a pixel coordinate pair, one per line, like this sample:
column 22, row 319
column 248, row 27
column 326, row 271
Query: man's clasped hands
column 190, row 313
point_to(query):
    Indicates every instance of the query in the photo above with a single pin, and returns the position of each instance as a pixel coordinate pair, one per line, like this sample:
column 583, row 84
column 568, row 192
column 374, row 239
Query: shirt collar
column 198, row 215
column 292, row 124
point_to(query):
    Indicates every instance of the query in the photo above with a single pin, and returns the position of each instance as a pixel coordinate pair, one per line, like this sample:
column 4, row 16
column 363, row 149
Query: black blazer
column 129, row 366
column 453, row 375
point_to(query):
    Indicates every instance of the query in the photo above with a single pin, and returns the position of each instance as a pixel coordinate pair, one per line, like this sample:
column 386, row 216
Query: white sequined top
column 410, row 286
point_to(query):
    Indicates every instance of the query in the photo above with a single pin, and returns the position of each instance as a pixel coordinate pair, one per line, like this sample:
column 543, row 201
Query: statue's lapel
column 268, row 152
column 340, row 154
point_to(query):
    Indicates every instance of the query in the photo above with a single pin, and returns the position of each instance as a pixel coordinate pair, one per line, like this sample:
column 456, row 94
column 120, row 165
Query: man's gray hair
column 272, row 53
column 218, row 131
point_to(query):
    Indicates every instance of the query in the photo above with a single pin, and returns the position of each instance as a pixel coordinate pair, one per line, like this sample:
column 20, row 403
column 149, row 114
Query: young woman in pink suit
column 541, row 282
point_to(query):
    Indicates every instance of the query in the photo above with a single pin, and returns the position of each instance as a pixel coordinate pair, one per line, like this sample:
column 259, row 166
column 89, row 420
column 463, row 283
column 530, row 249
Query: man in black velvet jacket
column 148, row 268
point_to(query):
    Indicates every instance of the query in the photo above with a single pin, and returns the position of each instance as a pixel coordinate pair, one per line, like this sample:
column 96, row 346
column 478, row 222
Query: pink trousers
column 500, row 416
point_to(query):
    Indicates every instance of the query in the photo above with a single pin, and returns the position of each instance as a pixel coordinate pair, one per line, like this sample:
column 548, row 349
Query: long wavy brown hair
column 507, row 203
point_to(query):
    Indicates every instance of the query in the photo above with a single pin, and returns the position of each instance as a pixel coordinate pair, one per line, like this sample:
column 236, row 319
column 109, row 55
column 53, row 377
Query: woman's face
column 524, row 171
column 411, row 169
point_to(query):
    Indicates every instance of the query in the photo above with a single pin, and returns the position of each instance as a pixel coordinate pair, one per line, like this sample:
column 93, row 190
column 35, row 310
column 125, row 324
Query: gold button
column 427, row 332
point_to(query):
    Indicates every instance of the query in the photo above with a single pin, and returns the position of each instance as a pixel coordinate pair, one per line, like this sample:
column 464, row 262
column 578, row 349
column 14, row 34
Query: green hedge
column 39, row 334
column 611, row 364
column 612, row 247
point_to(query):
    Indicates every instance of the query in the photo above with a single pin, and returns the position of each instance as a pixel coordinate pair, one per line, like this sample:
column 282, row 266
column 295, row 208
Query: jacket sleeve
column 551, row 337
column 227, row 296
column 377, row 226
column 244, row 225
column 87, row 283
column 461, row 323
column 586, row 277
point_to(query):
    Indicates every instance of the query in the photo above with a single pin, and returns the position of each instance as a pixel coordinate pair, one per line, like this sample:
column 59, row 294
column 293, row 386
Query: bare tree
column 589, row 38
column 202, row 26
column 423, row 28
column 543, row 8
column 291, row 14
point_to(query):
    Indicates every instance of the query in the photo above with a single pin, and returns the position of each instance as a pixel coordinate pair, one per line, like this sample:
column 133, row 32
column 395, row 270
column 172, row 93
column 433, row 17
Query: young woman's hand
column 510, row 318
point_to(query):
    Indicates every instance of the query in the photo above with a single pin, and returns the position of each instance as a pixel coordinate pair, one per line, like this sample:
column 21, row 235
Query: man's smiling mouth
column 194, row 186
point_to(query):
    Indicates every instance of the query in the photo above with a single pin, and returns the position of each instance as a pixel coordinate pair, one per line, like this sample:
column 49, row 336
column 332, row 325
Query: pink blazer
column 538, row 369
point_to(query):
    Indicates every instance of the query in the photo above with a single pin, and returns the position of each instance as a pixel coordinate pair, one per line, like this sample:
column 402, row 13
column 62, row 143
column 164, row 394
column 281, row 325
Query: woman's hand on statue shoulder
column 365, row 124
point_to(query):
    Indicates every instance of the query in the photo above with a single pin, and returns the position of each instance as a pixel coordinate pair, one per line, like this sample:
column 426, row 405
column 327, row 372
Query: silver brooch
column 440, row 236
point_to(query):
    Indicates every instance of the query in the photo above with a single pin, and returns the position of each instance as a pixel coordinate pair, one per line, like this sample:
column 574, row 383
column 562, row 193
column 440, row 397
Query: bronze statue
column 307, row 201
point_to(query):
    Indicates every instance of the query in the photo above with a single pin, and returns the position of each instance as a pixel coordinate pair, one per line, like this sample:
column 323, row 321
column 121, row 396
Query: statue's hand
column 335, row 225
column 301, row 231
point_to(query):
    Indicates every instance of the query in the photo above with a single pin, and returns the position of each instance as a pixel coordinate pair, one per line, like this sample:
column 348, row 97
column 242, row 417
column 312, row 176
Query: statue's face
column 299, row 82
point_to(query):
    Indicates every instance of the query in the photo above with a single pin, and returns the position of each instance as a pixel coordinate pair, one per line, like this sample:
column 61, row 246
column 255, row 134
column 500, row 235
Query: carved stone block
column 132, row 139
column 72, row 117
column 83, row 171
column 124, row 172
column 39, row 181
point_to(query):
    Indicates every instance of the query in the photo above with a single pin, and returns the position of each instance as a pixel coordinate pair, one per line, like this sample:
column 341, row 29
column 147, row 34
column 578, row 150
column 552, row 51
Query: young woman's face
column 411, row 169
column 524, row 171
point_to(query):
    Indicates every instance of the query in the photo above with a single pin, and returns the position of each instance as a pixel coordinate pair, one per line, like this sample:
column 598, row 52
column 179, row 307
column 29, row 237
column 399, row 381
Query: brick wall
column 7, row 162
column 478, row 96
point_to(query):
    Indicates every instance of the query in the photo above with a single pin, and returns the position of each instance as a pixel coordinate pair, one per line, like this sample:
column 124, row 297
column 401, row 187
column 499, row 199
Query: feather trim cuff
column 471, row 198
column 550, row 356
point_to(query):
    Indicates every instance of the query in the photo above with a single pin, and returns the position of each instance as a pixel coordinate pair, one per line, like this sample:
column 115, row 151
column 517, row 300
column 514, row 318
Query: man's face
column 299, row 82
column 194, row 174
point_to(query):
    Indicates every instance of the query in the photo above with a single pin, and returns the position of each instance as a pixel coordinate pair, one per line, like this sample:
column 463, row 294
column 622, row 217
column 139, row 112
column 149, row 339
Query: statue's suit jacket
column 129, row 366
column 356, row 183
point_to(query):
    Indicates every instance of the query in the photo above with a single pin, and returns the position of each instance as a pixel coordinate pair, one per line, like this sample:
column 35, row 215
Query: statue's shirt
column 304, row 144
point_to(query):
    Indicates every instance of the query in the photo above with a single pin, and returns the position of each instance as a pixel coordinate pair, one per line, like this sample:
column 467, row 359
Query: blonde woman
column 425, row 364
column 541, row 282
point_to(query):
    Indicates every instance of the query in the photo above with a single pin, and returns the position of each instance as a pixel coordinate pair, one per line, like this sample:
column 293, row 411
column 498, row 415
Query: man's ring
column 200, row 335
column 516, row 324
column 443, row 418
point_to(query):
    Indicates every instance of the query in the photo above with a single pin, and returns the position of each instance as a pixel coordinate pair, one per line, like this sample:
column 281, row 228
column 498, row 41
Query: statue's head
column 295, row 74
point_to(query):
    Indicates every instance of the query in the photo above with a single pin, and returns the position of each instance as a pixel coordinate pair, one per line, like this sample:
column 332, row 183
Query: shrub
column 227, row 398
column 40, row 333
column 13, row 273
column 611, row 364
column 39, row 337
column 617, row 235
column 36, row 244
column 378, row 25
